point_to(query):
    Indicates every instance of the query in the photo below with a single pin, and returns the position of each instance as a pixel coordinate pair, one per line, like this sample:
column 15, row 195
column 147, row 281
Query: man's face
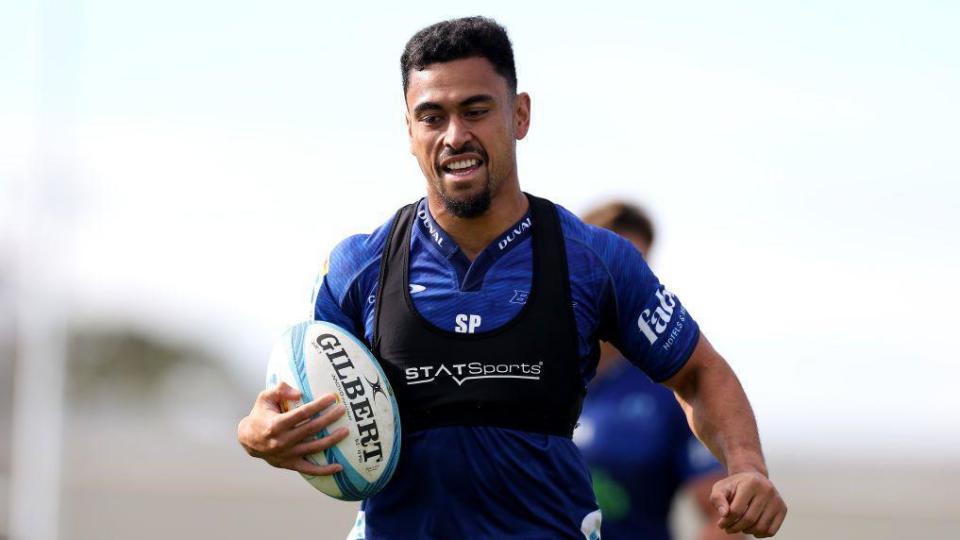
column 463, row 123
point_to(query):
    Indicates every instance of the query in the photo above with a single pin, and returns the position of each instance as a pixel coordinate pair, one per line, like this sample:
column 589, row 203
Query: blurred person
column 633, row 434
column 480, row 273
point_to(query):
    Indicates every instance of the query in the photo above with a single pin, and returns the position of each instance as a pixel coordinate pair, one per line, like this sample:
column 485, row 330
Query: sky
column 185, row 167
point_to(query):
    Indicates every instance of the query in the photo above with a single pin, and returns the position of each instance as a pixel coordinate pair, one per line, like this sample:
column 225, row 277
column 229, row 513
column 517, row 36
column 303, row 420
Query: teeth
column 462, row 164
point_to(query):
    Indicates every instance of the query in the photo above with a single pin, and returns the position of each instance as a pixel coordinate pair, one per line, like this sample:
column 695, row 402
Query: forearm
column 718, row 410
column 720, row 415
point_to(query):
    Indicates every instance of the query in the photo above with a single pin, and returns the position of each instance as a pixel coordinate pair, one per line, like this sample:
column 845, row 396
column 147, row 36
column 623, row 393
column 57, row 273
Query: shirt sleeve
column 336, row 295
column 327, row 308
column 646, row 321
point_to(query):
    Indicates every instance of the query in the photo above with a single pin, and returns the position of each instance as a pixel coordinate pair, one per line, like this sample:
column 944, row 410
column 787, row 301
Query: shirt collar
column 471, row 274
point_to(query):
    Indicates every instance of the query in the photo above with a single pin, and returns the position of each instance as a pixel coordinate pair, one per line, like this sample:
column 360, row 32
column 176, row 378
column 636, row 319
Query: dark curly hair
column 460, row 38
column 622, row 217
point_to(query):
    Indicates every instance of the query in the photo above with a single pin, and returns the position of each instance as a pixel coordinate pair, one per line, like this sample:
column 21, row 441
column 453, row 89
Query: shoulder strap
column 399, row 233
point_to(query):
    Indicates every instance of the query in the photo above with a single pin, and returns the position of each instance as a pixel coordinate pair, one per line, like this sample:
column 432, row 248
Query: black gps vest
column 524, row 375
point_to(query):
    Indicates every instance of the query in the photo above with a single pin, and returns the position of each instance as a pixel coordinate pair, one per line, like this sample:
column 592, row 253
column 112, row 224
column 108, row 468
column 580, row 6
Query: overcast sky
column 198, row 159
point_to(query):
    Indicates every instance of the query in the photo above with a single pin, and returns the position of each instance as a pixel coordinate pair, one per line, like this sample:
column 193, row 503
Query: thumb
column 721, row 495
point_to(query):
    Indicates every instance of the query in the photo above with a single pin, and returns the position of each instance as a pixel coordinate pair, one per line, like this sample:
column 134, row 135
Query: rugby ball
column 318, row 358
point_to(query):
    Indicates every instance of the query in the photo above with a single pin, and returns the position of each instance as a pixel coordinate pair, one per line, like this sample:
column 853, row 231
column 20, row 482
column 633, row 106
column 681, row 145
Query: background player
column 634, row 436
column 479, row 273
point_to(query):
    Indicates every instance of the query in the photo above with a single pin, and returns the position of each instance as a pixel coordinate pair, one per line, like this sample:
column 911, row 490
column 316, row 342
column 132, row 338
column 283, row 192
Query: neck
column 508, row 205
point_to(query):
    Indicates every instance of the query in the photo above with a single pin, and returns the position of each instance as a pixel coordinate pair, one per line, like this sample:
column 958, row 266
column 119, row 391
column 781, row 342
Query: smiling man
column 486, row 306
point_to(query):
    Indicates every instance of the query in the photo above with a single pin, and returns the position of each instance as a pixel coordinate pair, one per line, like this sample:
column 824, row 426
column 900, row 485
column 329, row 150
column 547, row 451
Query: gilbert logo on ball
column 318, row 358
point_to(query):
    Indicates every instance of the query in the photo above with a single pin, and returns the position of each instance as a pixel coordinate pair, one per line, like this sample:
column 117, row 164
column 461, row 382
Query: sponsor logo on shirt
column 431, row 228
column 653, row 322
column 519, row 297
column 464, row 372
column 414, row 288
column 513, row 234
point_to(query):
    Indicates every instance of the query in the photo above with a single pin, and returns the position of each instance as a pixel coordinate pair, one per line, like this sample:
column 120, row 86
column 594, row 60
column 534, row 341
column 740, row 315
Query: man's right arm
column 283, row 438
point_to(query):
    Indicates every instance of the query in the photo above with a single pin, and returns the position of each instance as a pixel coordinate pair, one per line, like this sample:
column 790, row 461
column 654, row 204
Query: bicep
column 705, row 367
column 686, row 380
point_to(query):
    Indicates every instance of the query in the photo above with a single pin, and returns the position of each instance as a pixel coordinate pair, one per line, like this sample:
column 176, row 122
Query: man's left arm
column 720, row 415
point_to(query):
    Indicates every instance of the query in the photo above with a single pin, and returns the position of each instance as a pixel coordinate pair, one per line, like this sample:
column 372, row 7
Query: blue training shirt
column 640, row 450
column 519, row 484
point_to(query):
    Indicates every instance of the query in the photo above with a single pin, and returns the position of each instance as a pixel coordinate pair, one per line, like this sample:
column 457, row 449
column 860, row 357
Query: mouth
column 461, row 167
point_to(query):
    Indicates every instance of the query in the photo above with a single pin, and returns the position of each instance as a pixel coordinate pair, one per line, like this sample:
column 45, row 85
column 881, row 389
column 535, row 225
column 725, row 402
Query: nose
column 458, row 133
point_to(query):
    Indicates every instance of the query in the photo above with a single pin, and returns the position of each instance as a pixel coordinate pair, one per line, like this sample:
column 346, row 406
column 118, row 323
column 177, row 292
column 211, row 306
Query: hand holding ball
column 319, row 358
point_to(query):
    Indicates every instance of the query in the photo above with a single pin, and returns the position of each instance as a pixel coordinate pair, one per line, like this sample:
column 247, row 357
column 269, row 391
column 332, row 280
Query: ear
column 521, row 115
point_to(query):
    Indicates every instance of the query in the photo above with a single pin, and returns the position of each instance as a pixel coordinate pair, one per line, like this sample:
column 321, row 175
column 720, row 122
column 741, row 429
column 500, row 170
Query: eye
column 476, row 113
column 431, row 119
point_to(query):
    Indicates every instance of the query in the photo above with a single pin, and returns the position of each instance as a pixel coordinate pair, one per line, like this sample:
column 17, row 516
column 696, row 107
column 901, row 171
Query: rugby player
column 633, row 435
column 485, row 306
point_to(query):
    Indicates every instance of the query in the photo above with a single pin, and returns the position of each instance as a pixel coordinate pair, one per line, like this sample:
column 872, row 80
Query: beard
column 470, row 207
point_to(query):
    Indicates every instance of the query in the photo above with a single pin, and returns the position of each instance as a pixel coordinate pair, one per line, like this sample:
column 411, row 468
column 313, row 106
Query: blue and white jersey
column 615, row 298
column 640, row 450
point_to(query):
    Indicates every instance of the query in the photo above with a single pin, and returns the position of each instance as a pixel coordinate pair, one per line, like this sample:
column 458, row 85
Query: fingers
column 778, row 521
column 281, row 391
column 288, row 392
column 319, row 445
column 291, row 418
column 292, row 455
column 315, row 425
column 742, row 497
column 750, row 516
column 271, row 398
column 770, row 520
column 296, row 458
column 762, row 526
column 271, row 436
column 749, row 503
column 303, row 466
column 720, row 497
column 285, row 439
